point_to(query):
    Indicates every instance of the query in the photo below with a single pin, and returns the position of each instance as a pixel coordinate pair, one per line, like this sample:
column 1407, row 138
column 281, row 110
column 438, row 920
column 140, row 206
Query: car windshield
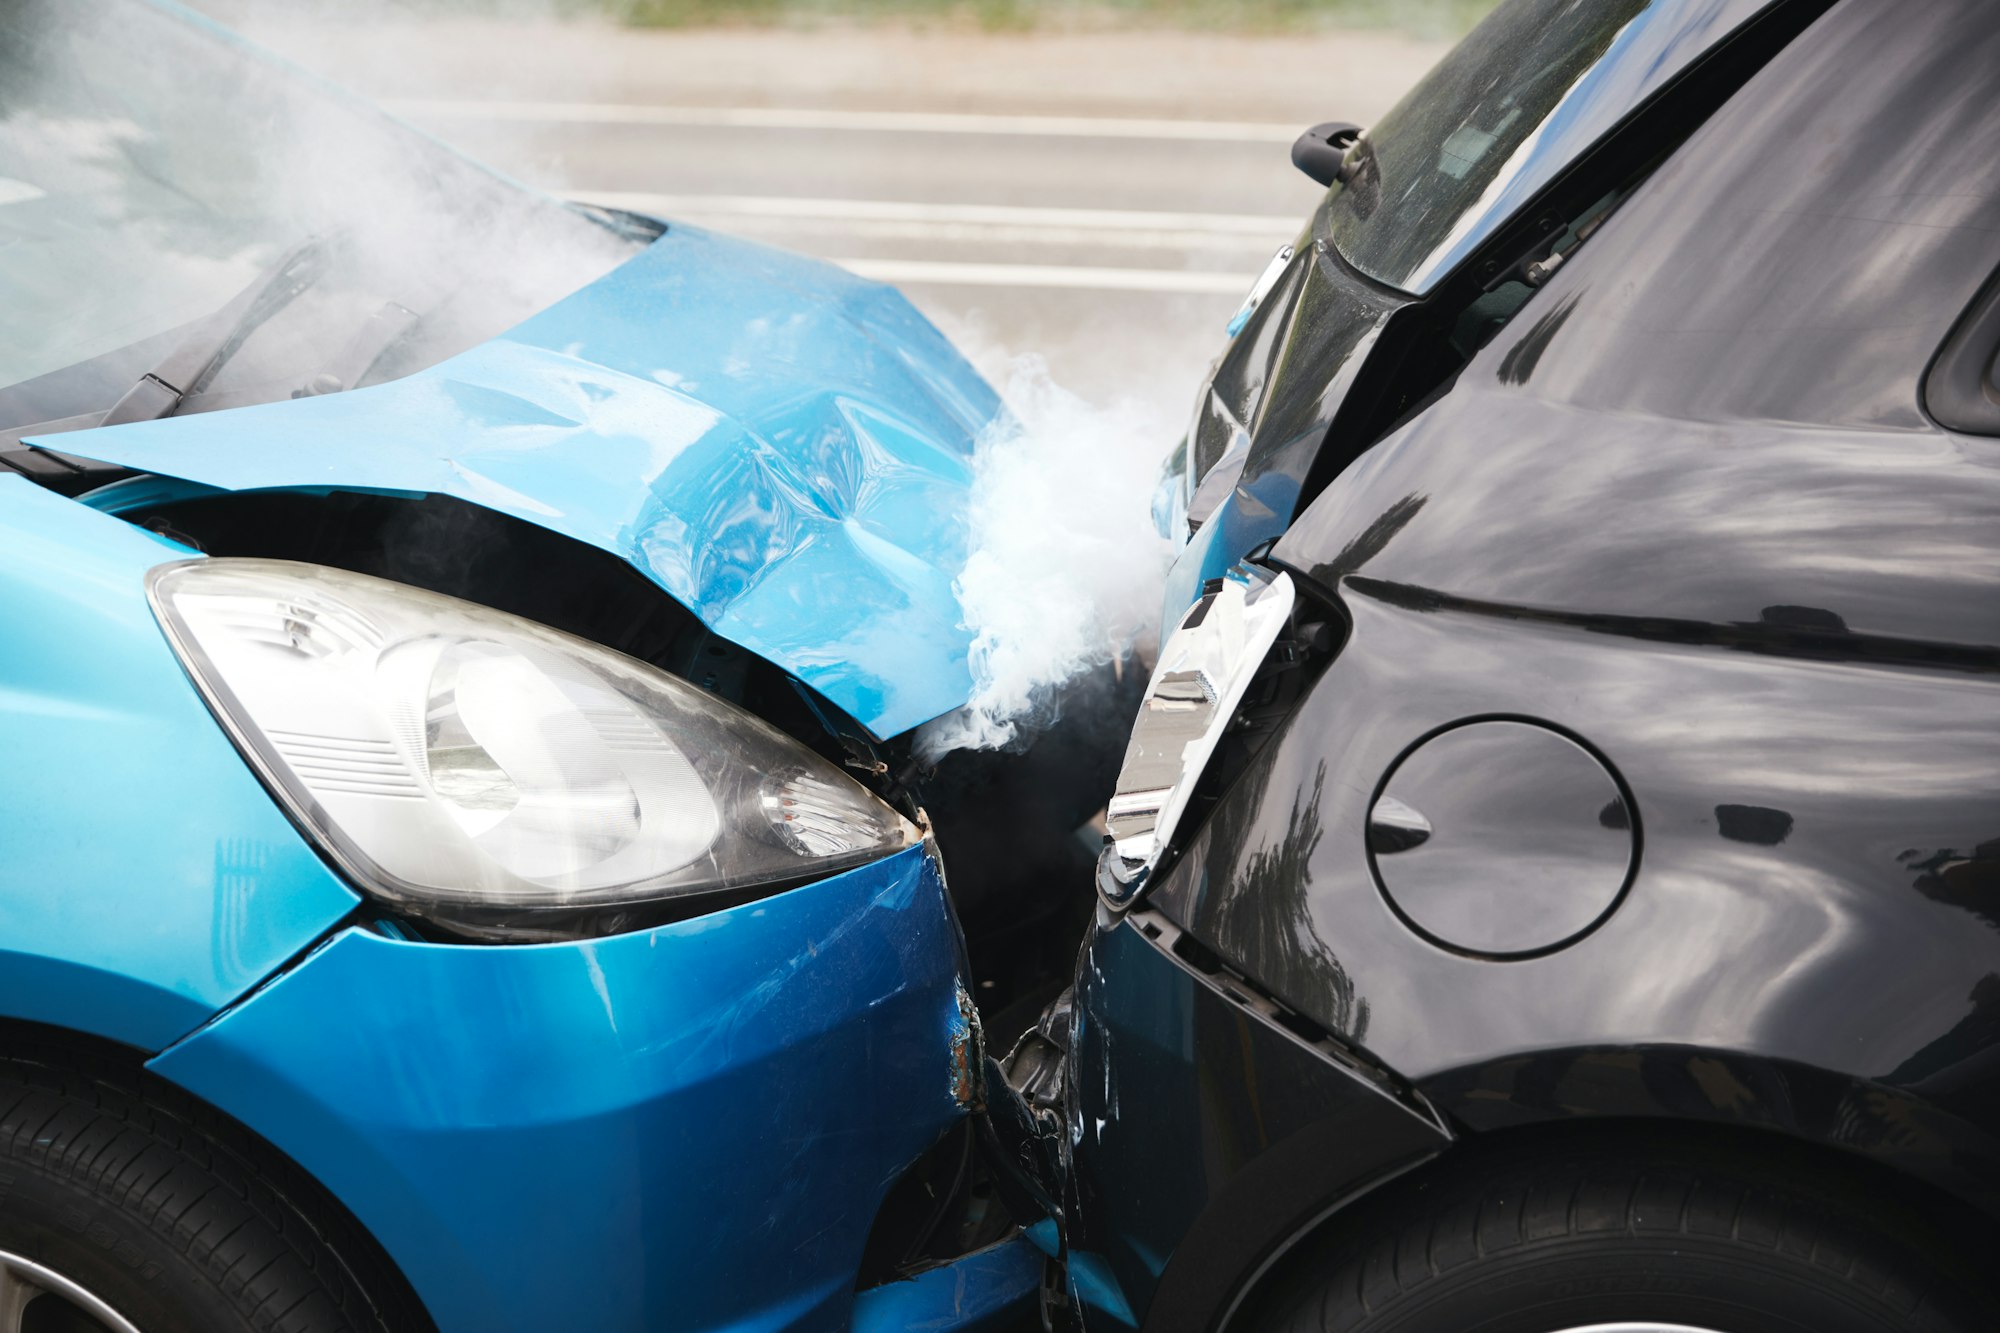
column 172, row 196
column 1520, row 98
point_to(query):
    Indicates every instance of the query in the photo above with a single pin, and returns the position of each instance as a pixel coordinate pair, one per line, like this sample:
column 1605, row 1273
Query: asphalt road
column 1101, row 199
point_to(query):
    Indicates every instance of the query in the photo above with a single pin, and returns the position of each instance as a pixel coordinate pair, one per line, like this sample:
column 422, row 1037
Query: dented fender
column 694, row 1123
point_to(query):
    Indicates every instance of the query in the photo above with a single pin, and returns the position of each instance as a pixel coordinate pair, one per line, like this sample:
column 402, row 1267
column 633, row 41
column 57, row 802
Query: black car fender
column 1649, row 1088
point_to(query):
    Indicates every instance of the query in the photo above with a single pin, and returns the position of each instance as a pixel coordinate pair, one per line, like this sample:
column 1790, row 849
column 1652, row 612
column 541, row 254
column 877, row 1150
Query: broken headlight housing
column 1204, row 670
column 497, row 777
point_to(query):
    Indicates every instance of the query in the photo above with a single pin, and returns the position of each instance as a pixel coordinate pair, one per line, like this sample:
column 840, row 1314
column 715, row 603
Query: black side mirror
column 1320, row 151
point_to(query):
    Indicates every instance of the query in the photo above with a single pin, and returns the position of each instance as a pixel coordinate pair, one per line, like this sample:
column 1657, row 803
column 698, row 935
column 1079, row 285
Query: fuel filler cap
column 1502, row 838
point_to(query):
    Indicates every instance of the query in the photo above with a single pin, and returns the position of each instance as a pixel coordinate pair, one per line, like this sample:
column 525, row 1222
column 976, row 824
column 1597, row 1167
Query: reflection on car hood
column 783, row 447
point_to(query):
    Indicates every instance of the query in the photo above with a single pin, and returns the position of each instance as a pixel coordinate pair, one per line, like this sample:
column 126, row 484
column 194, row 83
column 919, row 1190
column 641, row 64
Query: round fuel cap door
column 1501, row 838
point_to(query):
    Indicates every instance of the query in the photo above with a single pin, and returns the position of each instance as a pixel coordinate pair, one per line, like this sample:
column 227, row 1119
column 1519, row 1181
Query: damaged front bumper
column 1179, row 1183
column 691, row 1126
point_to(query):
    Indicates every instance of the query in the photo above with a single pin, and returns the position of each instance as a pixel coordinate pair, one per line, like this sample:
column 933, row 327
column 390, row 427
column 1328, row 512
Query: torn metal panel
column 967, row 1050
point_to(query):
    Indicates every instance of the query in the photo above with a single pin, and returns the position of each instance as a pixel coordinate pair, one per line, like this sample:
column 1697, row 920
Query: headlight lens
column 476, row 768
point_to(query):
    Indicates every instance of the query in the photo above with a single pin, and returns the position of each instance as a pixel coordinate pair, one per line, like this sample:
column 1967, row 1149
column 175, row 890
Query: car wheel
column 126, row 1208
column 1589, row 1239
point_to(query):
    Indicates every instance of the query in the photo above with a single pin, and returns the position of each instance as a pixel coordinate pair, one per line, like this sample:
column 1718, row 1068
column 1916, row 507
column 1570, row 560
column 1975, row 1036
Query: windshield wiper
column 194, row 361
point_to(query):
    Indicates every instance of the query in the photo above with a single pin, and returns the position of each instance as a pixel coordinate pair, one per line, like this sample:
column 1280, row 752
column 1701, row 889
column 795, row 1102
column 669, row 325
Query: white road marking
column 1248, row 251
column 990, row 224
column 1262, row 226
column 810, row 119
column 1046, row 275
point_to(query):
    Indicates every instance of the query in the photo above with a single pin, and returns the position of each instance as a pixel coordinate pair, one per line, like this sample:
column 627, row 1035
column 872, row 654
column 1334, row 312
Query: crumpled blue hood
column 783, row 447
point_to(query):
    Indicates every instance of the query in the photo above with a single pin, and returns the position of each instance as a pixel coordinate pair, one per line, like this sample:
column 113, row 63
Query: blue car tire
column 123, row 1199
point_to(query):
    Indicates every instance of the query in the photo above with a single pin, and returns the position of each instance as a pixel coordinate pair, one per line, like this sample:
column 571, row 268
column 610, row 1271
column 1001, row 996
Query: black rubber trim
column 1962, row 390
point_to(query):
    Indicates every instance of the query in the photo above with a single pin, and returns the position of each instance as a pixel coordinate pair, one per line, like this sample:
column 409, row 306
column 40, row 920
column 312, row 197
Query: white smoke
column 153, row 168
column 1065, row 563
column 1065, row 566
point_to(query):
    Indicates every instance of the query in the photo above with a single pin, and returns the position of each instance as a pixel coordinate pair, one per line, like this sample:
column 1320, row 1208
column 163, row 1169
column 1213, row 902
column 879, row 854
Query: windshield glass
column 1520, row 98
column 168, row 192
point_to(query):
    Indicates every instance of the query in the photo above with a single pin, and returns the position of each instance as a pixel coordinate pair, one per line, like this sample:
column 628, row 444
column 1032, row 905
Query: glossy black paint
column 1963, row 391
column 1529, row 838
column 1182, row 1162
column 1274, row 394
column 1508, row 112
column 1332, row 358
column 1688, row 507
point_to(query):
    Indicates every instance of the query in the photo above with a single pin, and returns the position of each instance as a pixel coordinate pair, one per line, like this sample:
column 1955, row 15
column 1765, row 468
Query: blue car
column 464, row 862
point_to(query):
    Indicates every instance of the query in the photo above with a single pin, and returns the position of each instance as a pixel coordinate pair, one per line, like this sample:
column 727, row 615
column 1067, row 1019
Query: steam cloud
column 149, row 170
column 1065, row 567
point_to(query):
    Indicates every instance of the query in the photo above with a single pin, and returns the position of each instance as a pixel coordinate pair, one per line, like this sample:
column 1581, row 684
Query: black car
column 1555, row 879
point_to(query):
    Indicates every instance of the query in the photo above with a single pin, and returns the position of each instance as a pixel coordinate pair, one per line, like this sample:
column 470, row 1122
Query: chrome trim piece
column 23, row 1281
column 1260, row 289
column 1205, row 667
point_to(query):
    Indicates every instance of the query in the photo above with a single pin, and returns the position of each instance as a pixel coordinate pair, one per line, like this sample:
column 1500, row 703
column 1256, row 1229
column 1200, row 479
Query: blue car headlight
column 494, row 775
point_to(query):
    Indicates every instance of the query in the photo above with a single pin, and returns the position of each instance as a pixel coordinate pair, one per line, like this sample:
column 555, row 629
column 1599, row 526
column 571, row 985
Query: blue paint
column 1090, row 1280
column 1208, row 554
column 146, row 880
column 120, row 497
column 1093, row 1286
column 688, row 1127
column 1248, row 516
column 783, row 447
column 993, row 1288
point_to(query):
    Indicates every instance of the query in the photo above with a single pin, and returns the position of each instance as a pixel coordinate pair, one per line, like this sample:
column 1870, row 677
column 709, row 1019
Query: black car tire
column 178, row 1220
column 1569, row 1237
